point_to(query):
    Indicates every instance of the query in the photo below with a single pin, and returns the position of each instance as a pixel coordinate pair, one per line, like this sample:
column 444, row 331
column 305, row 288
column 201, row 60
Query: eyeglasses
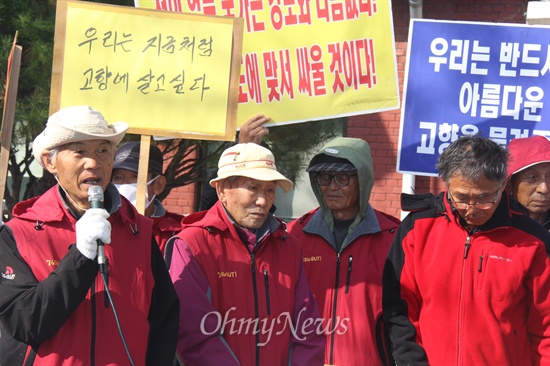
column 341, row 180
column 478, row 205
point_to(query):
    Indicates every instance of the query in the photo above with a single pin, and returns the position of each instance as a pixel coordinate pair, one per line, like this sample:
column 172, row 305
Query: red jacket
column 165, row 227
column 234, row 289
column 348, row 285
column 454, row 298
column 55, row 302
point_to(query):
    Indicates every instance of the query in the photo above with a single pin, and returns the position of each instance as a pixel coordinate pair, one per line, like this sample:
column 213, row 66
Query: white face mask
column 130, row 192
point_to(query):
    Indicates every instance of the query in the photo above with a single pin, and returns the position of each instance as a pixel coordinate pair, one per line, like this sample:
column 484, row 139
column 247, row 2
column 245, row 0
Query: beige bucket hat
column 253, row 161
column 77, row 123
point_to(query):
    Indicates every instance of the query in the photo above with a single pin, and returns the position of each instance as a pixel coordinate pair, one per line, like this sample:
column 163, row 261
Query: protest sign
column 470, row 77
column 308, row 60
column 167, row 74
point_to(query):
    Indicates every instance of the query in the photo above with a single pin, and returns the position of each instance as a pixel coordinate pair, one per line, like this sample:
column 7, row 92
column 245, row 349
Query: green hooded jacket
column 357, row 152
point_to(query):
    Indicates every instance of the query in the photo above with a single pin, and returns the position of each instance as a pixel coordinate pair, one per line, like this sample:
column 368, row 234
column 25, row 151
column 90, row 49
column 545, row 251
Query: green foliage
column 33, row 22
column 291, row 143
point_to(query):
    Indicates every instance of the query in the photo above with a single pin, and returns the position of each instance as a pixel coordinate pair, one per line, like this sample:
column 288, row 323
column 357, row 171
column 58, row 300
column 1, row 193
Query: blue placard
column 466, row 77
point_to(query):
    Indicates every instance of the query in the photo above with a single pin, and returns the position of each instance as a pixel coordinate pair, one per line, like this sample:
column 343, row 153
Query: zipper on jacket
column 466, row 247
column 348, row 277
column 266, row 282
column 331, row 354
column 256, row 312
column 480, row 266
column 92, row 344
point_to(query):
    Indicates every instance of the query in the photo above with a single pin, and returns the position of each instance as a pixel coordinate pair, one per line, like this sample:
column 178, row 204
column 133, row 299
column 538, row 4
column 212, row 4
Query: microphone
column 95, row 197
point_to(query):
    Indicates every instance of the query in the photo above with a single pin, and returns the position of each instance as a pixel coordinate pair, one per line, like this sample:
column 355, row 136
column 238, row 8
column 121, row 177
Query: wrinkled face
column 125, row 176
column 80, row 165
column 483, row 191
column 247, row 200
column 342, row 201
column 531, row 188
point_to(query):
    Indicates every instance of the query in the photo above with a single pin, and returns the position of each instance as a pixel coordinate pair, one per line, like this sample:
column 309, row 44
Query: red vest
column 352, row 307
column 239, row 280
column 43, row 231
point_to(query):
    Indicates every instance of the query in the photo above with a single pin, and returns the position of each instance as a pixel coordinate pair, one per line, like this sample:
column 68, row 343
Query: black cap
column 127, row 157
column 327, row 163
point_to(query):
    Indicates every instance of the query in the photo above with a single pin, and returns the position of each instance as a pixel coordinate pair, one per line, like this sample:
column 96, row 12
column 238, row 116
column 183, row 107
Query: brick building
column 381, row 130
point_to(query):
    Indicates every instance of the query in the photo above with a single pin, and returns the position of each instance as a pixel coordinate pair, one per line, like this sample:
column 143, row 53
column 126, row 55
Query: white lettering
column 278, row 325
column 203, row 320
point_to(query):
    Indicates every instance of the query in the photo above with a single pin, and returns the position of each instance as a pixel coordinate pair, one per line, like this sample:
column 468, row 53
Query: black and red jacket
column 454, row 297
column 53, row 308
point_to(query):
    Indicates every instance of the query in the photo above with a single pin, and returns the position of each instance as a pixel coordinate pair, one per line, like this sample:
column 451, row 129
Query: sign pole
column 12, row 82
column 143, row 170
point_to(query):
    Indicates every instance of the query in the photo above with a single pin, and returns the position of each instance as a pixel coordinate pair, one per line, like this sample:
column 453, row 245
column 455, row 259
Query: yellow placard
column 165, row 74
column 309, row 59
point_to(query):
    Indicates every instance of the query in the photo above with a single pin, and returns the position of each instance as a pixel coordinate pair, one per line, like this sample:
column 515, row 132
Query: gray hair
column 474, row 157
column 52, row 153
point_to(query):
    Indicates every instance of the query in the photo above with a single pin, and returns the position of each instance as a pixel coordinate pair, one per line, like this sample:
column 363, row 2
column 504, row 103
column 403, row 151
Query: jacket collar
column 368, row 225
column 52, row 207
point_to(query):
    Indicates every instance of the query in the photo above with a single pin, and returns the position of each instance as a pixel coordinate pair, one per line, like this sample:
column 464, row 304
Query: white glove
column 93, row 225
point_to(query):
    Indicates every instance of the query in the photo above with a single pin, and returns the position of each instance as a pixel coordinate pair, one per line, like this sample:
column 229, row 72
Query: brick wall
column 181, row 200
column 381, row 130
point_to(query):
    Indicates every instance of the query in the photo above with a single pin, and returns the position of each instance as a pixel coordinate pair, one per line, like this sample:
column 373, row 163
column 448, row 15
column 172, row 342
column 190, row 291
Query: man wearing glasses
column 345, row 243
column 467, row 277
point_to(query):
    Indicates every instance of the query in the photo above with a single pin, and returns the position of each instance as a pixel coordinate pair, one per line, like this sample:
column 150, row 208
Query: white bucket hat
column 250, row 160
column 78, row 123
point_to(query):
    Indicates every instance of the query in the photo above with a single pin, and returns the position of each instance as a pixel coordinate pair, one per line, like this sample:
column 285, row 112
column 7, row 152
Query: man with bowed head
column 53, row 304
column 345, row 244
column 467, row 279
column 253, row 130
column 529, row 176
column 251, row 301
column 125, row 175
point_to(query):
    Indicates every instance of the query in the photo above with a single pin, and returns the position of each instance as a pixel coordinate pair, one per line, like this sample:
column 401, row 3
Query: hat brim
column 59, row 135
column 126, row 166
column 331, row 167
column 262, row 174
column 528, row 166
